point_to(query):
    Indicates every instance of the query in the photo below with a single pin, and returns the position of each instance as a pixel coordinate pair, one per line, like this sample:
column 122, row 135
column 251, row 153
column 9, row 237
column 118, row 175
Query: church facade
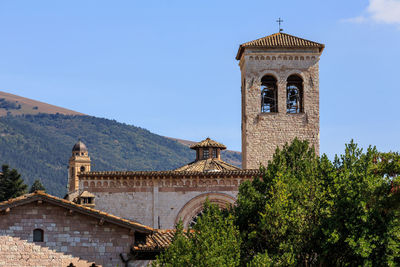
column 129, row 213
column 280, row 101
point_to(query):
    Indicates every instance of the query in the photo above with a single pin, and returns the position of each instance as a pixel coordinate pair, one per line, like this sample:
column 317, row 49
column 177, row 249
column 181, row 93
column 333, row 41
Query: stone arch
column 195, row 205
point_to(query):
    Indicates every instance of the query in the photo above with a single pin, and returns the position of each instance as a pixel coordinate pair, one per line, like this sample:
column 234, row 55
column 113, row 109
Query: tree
column 279, row 213
column 363, row 227
column 309, row 211
column 37, row 185
column 11, row 184
column 213, row 241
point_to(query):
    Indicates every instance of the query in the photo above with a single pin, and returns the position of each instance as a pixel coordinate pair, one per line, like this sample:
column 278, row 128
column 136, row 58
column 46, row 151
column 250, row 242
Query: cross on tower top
column 279, row 23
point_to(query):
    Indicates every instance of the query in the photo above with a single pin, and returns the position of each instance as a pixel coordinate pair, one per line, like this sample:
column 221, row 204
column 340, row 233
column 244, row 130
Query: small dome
column 79, row 147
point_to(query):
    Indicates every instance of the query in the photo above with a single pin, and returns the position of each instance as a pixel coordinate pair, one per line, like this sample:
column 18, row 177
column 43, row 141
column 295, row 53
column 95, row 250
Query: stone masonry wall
column 16, row 252
column 75, row 236
column 262, row 133
column 157, row 202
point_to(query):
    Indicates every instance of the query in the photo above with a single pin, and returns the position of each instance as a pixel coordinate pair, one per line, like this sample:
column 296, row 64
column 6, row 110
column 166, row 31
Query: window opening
column 214, row 153
column 206, row 153
column 294, row 94
column 269, row 94
column 195, row 219
column 38, row 235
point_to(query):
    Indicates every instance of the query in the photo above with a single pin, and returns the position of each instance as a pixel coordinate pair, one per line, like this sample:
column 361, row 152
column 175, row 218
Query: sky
column 169, row 66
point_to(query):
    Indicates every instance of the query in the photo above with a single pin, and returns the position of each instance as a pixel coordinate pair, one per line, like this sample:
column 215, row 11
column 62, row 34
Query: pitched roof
column 86, row 194
column 208, row 165
column 158, row 240
column 208, row 143
column 280, row 40
column 40, row 195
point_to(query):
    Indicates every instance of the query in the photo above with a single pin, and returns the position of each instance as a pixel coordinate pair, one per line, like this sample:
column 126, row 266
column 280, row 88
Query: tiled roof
column 280, row 40
column 208, row 165
column 208, row 143
column 40, row 195
column 167, row 174
column 158, row 240
column 86, row 194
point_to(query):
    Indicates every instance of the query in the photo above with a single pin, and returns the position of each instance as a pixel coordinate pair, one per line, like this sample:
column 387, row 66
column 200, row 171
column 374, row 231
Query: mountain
column 17, row 105
column 39, row 147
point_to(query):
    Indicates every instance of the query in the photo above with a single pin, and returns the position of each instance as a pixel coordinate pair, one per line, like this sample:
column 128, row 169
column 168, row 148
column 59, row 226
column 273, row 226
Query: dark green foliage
column 363, row 227
column 213, row 241
column 40, row 146
column 308, row 211
column 7, row 105
column 37, row 185
column 11, row 184
column 280, row 213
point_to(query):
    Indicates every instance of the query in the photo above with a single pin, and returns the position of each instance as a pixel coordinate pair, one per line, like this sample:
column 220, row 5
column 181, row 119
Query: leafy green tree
column 213, row 241
column 363, row 227
column 11, row 184
column 279, row 213
column 309, row 211
column 37, row 185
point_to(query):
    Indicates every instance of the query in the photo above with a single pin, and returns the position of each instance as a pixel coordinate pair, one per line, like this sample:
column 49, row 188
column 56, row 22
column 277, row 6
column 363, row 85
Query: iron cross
column 279, row 22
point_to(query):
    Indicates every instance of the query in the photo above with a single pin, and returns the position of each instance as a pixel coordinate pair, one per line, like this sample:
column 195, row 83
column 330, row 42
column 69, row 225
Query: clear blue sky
column 169, row 66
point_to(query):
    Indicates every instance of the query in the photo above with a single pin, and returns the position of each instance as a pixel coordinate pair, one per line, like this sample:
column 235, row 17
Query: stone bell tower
column 78, row 162
column 280, row 95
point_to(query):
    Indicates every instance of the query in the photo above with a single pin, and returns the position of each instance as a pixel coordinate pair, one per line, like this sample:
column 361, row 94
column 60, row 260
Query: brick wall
column 66, row 236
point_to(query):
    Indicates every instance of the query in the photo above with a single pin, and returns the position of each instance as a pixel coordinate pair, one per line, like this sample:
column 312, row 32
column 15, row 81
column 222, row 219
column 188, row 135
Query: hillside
column 17, row 105
column 230, row 156
column 39, row 147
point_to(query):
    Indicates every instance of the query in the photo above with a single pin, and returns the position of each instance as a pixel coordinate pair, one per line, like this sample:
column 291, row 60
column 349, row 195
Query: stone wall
column 158, row 202
column 66, row 236
column 19, row 253
column 262, row 133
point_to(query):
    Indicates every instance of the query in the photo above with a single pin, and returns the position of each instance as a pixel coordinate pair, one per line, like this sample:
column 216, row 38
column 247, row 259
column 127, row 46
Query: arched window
column 193, row 221
column 294, row 94
column 269, row 94
column 38, row 235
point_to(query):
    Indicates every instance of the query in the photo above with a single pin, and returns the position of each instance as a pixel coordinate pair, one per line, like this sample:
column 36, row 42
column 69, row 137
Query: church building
column 280, row 101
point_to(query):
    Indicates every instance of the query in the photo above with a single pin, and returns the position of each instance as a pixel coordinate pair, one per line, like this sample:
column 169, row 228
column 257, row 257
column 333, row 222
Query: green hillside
column 39, row 147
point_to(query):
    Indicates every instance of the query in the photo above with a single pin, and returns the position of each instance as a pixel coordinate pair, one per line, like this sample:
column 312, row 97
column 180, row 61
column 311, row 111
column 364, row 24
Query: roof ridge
column 280, row 39
column 73, row 204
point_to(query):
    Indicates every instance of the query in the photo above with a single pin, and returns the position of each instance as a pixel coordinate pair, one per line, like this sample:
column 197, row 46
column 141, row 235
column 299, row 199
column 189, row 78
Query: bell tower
column 280, row 95
column 78, row 162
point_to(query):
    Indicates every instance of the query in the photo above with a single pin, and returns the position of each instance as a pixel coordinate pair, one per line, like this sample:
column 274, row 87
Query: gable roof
column 40, row 195
column 280, row 40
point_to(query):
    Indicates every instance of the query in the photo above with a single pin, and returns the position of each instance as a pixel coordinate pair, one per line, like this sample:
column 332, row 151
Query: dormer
column 86, row 199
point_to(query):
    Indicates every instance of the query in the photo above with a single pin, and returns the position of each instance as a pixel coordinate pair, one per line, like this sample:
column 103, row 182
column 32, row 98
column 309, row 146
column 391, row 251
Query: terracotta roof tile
column 280, row 40
column 158, row 240
column 86, row 194
column 208, row 165
column 208, row 143
column 41, row 195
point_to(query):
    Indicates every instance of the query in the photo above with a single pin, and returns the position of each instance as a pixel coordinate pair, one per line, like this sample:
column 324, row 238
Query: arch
column 294, row 94
column 38, row 235
column 269, row 94
column 194, row 207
